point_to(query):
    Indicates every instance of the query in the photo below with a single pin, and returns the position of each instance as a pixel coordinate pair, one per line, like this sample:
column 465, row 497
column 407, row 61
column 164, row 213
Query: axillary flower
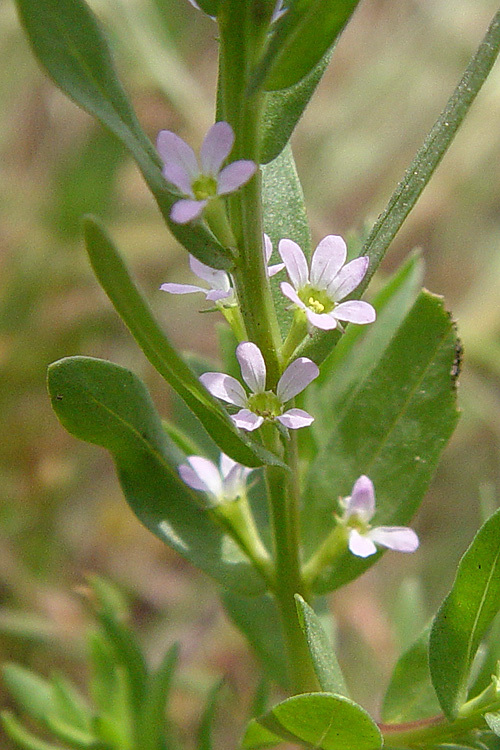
column 219, row 282
column 224, row 483
column 204, row 181
column 359, row 510
column 318, row 294
column 262, row 405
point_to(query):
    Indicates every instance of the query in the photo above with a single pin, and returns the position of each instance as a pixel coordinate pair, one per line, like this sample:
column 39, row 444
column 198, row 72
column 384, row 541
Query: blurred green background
column 62, row 513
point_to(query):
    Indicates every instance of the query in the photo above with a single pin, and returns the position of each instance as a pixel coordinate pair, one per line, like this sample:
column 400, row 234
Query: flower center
column 204, row 186
column 265, row 404
column 316, row 300
column 357, row 522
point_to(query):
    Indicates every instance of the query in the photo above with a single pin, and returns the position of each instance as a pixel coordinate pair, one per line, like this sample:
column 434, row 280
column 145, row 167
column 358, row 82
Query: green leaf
column 420, row 170
column 283, row 109
column 302, row 37
column 360, row 349
column 103, row 403
column 258, row 619
column 24, row 739
column 284, row 216
column 465, row 616
column 392, row 426
column 32, row 693
column 156, row 698
column 103, row 678
column 209, row 6
column 206, row 724
column 410, row 695
column 69, row 705
column 323, row 656
column 493, row 721
column 134, row 311
column 77, row 738
column 258, row 736
column 69, row 44
column 323, row 720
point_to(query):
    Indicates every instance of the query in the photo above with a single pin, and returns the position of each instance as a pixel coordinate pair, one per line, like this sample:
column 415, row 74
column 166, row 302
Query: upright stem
column 242, row 38
column 289, row 581
column 240, row 43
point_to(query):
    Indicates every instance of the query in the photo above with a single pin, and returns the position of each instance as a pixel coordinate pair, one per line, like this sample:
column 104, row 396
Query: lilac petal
column 292, row 295
column 186, row 210
column 253, row 367
column 181, row 288
column 324, row 321
column 214, row 295
column 268, row 248
column 224, row 387
column 355, row 311
column 360, row 545
column 349, row 278
column 274, row 269
column 180, row 165
column 398, row 538
column 234, row 482
column 328, row 259
column 207, row 474
column 226, row 465
column 235, row 175
column 296, row 377
column 294, row 419
column 191, row 478
column 216, row 147
column 362, row 500
column 214, row 277
column 295, row 262
column 247, row 420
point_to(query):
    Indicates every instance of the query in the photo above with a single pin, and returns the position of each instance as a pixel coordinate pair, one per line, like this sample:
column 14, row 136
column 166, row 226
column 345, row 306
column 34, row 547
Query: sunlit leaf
column 465, row 616
column 103, row 403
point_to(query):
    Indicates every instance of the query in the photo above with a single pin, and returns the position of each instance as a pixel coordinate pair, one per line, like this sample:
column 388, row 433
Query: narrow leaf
column 69, row 704
column 465, row 616
column 32, row 693
column 108, row 405
column 154, row 712
column 69, row 44
column 129, row 303
column 284, row 216
column 257, row 736
column 74, row 736
column 323, row 656
column 420, row 170
column 206, row 724
column 325, row 721
column 302, row 37
column 24, row 739
column 283, row 109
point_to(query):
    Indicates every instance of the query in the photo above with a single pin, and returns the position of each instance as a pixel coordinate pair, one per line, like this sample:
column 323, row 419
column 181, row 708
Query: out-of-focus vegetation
column 62, row 513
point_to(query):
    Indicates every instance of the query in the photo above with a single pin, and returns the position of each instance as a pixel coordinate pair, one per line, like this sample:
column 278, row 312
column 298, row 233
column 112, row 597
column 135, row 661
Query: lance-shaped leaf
column 105, row 404
column 302, row 37
column 283, row 109
column 284, row 216
column 392, row 426
column 320, row 720
column 419, row 172
column 70, row 46
column 465, row 616
column 129, row 303
column 410, row 695
column 152, row 720
column 323, row 656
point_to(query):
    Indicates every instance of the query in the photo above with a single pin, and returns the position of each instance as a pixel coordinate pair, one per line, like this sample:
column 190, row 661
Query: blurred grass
column 62, row 512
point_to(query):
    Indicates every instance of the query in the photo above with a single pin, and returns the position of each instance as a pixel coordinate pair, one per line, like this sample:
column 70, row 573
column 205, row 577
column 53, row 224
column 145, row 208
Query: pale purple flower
column 222, row 484
column 359, row 510
column 219, row 282
column 262, row 405
column 205, row 180
column 331, row 279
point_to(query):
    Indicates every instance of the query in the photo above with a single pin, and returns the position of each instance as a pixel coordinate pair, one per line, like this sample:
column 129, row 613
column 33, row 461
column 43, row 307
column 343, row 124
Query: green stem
column 282, row 493
column 240, row 44
column 332, row 548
